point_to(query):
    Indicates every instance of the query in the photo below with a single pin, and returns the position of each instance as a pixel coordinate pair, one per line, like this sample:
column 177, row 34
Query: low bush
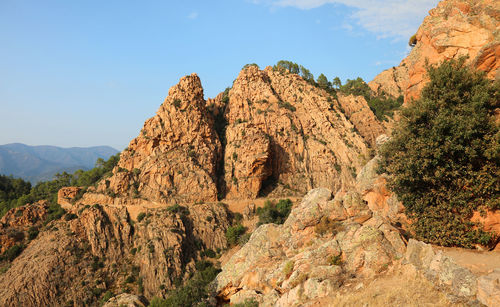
column 233, row 233
column 274, row 212
column 193, row 292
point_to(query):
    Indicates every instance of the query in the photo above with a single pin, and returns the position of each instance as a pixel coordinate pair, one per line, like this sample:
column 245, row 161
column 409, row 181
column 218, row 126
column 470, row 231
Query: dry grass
column 397, row 289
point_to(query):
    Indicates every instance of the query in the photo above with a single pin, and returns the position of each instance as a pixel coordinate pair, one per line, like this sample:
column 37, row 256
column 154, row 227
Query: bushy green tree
column 444, row 155
column 274, row 212
column 323, row 82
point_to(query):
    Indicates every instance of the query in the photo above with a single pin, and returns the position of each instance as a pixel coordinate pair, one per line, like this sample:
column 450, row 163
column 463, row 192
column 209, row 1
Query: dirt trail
column 479, row 262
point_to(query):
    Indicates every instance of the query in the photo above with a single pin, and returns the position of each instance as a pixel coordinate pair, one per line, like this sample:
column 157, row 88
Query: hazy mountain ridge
column 38, row 163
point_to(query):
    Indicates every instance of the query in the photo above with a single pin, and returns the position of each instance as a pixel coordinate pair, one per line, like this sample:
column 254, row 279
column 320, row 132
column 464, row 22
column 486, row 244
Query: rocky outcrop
column 78, row 259
column 359, row 113
column 461, row 284
column 392, row 81
column 175, row 157
column 453, row 29
column 324, row 242
column 66, row 195
column 17, row 223
column 287, row 136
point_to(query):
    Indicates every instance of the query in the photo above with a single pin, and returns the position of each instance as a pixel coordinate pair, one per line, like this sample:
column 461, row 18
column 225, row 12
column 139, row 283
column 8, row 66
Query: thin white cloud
column 386, row 18
column 193, row 15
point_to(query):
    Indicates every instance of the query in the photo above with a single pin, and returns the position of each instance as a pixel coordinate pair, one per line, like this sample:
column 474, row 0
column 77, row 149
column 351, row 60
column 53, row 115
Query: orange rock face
column 453, row 29
column 66, row 195
column 16, row 222
column 176, row 154
column 272, row 132
column 285, row 134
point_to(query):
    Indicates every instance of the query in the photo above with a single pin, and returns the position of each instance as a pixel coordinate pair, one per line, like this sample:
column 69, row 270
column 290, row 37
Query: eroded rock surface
column 103, row 249
column 325, row 241
column 453, row 29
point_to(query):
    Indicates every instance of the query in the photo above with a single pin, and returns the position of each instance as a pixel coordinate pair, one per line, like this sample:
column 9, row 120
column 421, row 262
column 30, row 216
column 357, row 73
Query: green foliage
column 250, row 65
column 174, row 209
column 11, row 253
column 107, row 295
column 323, row 82
column 55, row 212
column 243, row 239
column 70, row 216
column 287, row 105
column 247, row 303
column 444, row 155
column 141, row 216
column 413, row 40
column 288, row 268
column 294, row 68
column 10, row 190
column 233, row 233
column 326, row 225
column 274, row 212
column 16, row 192
column 32, row 232
column 177, row 103
column 193, row 292
column 381, row 105
column 130, row 279
column 210, row 253
column 335, row 259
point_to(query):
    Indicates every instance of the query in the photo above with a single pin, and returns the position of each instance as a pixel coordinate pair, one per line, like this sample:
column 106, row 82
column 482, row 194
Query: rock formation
column 15, row 226
column 453, row 29
column 75, row 260
column 285, row 132
column 174, row 158
column 325, row 241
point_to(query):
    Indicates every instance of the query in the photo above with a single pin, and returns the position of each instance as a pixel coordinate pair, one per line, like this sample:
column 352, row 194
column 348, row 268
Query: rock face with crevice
column 286, row 136
column 102, row 249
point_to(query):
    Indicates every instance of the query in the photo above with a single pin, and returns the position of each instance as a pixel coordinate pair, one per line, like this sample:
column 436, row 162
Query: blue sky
column 86, row 73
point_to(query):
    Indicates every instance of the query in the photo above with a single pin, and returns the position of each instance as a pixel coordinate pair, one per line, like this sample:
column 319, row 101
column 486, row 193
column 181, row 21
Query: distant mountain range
column 39, row 163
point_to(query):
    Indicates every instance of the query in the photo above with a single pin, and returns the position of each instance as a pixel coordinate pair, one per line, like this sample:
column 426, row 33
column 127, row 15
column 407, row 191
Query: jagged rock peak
column 174, row 157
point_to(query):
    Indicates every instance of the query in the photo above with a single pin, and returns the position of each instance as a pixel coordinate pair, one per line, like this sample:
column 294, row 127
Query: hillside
column 39, row 163
column 269, row 194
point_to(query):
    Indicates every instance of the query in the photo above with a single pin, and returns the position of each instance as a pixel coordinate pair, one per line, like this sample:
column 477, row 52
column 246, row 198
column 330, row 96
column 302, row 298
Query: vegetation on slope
column 383, row 105
column 16, row 192
column 444, row 156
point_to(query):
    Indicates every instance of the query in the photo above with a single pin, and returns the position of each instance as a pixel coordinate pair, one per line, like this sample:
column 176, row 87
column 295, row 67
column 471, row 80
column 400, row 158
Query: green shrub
column 141, row 216
column 130, row 279
column 208, row 253
column 247, row 303
column 288, row 268
column 70, row 216
column 174, row 209
column 326, row 225
column 335, row 259
column 193, row 292
column 413, row 40
column 11, row 253
column 243, row 239
column 233, row 233
column 107, row 295
column 177, row 103
column 274, row 213
column 32, row 232
column 444, row 156
column 250, row 65
column 287, row 105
